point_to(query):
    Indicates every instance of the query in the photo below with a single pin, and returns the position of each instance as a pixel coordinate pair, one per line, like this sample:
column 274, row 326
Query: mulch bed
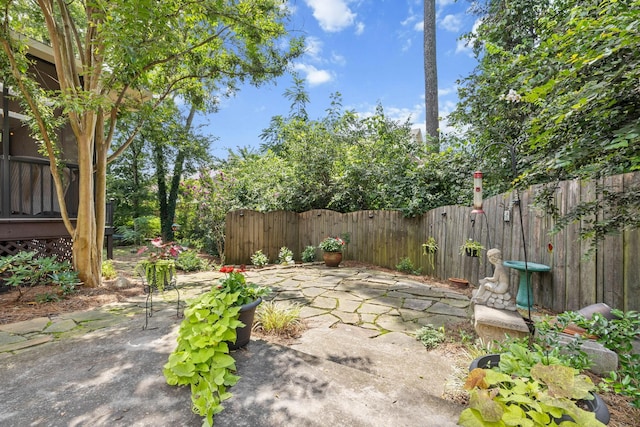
column 26, row 304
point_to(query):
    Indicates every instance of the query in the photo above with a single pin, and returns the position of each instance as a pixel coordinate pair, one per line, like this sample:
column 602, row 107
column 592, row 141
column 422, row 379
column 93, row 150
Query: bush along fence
column 384, row 238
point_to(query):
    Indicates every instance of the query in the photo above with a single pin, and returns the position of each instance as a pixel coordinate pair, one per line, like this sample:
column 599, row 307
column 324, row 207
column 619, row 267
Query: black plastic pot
column 243, row 334
column 485, row 362
column 472, row 252
column 596, row 405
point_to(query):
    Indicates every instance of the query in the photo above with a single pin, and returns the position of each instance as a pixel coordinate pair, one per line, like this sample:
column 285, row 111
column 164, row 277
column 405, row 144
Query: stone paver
column 373, row 308
column 61, row 326
column 324, row 302
column 349, row 306
column 419, row 304
column 346, row 317
column 376, row 301
column 26, row 327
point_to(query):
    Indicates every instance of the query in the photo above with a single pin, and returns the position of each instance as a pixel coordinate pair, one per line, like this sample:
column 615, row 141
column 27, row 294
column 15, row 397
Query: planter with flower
column 210, row 329
column 159, row 269
column 158, row 272
column 249, row 298
column 332, row 251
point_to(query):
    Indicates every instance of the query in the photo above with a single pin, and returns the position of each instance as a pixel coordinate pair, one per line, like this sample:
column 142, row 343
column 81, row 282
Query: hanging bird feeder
column 477, row 192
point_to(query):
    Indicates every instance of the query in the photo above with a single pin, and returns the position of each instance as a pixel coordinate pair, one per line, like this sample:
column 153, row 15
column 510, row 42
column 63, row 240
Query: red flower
column 226, row 269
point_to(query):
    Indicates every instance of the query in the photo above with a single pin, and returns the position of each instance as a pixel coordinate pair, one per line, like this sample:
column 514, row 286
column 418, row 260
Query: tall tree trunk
column 85, row 251
column 431, row 75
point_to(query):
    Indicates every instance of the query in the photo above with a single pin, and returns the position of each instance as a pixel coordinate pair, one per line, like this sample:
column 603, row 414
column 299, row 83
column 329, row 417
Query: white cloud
column 451, row 23
column 332, row 15
column 338, row 59
column 407, row 45
column 463, row 45
column 446, row 91
column 314, row 76
column 359, row 28
column 399, row 114
column 419, row 26
column 410, row 19
column 313, row 47
column 443, row 3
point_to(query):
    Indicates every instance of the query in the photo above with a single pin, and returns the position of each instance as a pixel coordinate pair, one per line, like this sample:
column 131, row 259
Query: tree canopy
column 558, row 82
column 115, row 55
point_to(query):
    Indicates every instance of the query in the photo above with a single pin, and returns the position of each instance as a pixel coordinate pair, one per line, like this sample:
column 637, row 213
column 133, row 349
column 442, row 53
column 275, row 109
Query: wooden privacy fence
column 611, row 275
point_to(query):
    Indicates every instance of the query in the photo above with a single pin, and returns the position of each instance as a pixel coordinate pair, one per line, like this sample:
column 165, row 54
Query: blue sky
column 371, row 51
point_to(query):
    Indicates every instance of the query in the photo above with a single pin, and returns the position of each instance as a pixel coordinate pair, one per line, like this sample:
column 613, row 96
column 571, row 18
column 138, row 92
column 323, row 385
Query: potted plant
column 249, row 297
column 471, row 248
column 332, row 251
column 209, row 330
column 429, row 248
column 524, row 387
column 159, row 269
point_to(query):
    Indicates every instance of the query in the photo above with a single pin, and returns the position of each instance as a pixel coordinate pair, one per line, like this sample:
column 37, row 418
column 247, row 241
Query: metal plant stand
column 150, row 290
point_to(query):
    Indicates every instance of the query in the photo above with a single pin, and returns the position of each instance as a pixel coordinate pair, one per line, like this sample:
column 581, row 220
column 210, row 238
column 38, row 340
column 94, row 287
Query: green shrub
column 285, row 256
column 144, row 227
column 309, row 254
column 406, row 266
column 66, row 280
column 190, row 261
column 617, row 335
column 430, row 336
column 259, row 259
column 108, row 270
column 27, row 269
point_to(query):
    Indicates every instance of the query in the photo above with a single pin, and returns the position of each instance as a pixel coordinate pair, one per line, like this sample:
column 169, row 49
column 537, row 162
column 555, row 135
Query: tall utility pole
column 431, row 74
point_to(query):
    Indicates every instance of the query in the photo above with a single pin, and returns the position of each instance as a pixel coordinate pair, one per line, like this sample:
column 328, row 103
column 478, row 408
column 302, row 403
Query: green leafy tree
column 346, row 163
column 557, row 81
column 130, row 178
column 110, row 56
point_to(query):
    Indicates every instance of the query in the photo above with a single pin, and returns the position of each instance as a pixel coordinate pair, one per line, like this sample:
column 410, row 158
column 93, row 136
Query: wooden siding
column 383, row 238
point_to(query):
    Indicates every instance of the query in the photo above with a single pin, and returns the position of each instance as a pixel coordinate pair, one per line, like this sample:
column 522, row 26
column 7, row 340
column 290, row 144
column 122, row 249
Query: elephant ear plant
column 201, row 358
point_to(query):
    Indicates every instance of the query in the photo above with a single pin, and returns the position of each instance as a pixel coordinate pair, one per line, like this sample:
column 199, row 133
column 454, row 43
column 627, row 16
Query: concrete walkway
column 357, row 365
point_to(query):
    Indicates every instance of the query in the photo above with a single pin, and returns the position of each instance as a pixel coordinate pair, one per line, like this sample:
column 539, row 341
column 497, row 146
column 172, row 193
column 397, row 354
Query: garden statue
column 493, row 291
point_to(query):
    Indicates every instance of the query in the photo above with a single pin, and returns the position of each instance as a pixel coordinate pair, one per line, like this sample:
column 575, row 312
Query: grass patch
column 280, row 320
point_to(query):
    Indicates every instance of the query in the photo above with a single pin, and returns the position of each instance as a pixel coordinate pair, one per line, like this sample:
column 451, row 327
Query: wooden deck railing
column 29, row 190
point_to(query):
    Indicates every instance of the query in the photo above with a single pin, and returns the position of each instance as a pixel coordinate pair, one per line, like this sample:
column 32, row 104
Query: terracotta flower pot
column 332, row 259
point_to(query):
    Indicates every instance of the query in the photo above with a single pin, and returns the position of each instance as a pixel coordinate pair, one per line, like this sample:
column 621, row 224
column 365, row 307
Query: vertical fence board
column 559, row 264
column 587, row 264
column 573, row 253
column 631, row 250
